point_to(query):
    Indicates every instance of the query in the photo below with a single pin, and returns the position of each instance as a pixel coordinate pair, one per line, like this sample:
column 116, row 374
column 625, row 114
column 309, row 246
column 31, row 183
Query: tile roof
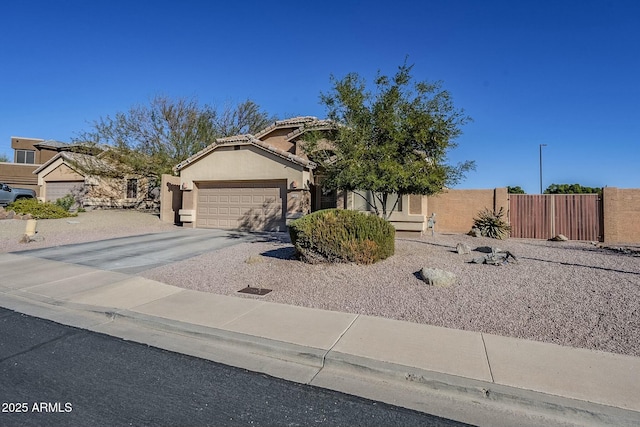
column 294, row 121
column 53, row 144
column 316, row 124
column 86, row 162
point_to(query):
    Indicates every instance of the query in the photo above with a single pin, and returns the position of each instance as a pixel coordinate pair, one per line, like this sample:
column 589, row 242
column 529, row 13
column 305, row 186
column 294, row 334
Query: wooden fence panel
column 577, row 216
column 529, row 216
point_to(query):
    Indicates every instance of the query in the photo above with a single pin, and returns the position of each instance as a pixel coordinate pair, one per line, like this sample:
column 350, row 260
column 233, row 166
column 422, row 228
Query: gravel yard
column 568, row 293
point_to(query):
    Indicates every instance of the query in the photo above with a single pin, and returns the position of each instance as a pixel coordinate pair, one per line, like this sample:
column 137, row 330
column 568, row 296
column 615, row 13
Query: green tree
column 4, row 158
column 571, row 189
column 392, row 141
column 151, row 139
column 515, row 190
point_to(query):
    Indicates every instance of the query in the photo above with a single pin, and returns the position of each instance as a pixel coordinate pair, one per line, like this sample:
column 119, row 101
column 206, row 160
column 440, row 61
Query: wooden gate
column 577, row 216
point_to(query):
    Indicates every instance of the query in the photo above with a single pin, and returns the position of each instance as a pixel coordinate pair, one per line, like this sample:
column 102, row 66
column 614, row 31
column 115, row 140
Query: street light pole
column 541, row 145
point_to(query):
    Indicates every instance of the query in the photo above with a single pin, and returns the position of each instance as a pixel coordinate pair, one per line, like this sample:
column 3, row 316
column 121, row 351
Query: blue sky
column 561, row 73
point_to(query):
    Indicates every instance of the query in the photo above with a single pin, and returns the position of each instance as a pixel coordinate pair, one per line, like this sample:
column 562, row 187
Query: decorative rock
column 559, row 238
column 28, row 239
column 10, row 214
column 254, row 259
column 463, row 249
column 496, row 257
column 475, row 232
column 437, row 277
column 484, row 249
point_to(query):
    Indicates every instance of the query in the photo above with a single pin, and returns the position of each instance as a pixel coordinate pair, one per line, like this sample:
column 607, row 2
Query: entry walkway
column 477, row 378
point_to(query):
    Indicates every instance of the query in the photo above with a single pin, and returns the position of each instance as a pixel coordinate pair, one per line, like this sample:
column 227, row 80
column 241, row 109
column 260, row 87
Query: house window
column 25, row 156
column 132, row 188
column 363, row 200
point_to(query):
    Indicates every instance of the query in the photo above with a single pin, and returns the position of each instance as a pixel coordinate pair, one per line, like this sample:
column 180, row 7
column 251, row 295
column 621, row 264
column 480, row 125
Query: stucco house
column 261, row 182
column 88, row 178
column 28, row 155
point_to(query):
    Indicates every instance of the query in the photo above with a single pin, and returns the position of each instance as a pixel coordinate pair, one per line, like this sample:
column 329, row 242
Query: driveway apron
column 134, row 254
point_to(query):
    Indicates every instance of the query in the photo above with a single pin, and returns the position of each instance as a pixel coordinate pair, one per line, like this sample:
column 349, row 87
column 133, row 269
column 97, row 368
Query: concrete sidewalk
column 477, row 378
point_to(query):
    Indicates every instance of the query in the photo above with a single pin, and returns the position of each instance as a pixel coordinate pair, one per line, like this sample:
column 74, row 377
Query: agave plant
column 491, row 224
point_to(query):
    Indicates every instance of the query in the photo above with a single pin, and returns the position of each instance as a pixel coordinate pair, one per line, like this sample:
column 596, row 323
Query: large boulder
column 437, row 277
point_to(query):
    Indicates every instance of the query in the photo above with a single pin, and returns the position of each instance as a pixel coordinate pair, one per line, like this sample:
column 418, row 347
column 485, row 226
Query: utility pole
column 541, row 145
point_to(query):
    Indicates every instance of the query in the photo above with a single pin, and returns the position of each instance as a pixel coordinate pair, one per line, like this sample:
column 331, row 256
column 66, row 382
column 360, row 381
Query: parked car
column 9, row 194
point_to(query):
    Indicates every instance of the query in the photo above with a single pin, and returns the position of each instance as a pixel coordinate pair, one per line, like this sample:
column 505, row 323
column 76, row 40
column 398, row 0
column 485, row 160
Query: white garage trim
column 242, row 205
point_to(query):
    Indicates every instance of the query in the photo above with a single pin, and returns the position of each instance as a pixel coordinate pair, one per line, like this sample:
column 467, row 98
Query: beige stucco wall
column 404, row 220
column 61, row 173
column 621, row 210
column 246, row 164
column 41, row 155
column 278, row 138
column 170, row 199
column 455, row 209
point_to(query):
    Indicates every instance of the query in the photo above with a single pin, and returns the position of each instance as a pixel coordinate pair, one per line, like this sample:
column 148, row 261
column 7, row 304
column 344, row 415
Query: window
column 361, row 204
column 132, row 188
column 25, row 156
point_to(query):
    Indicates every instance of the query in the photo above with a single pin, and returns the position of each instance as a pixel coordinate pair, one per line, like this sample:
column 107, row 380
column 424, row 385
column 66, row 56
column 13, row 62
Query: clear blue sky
column 555, row 72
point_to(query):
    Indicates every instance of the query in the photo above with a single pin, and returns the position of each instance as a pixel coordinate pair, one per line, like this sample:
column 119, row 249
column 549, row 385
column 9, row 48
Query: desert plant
column 39, row 210
column 338, row 235
column 491, row 224
column 66, row 202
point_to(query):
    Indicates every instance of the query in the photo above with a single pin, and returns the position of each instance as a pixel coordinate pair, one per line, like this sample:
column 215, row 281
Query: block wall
column 455, row 209
column 621, row 213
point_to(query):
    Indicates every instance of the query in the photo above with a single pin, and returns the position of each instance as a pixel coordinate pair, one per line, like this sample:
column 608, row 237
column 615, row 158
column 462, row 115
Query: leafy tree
column 571, row 189
column 392, row 141
column 151, row 139
column 515, row 190
column 4, row 158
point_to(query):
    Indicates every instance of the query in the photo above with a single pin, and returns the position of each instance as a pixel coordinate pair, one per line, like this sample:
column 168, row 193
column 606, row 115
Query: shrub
column 491, row 224
column 338, row 235
column 38, row 210
column 66, row 202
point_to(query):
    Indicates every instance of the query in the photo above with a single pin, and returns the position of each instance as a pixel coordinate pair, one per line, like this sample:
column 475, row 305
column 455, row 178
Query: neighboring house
column 262, row 181
column 87, row 177
column 28, row 155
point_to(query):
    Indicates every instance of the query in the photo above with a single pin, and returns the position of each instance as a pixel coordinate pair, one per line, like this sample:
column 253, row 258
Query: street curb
column 476, row 393
column 476, row 402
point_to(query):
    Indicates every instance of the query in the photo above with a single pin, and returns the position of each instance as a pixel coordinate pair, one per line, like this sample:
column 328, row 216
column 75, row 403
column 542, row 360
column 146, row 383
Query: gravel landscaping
column 569, row 293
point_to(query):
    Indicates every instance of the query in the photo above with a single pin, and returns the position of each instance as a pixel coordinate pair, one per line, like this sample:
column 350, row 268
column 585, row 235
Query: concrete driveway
column 134, row 254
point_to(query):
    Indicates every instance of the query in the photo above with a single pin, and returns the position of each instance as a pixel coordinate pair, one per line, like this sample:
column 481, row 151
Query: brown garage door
column 246, row 205
column 58, row 189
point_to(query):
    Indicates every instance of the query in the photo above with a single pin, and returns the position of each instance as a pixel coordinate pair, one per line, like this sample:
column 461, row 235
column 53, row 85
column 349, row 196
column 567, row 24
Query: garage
column 242, row 205
column 55, row 190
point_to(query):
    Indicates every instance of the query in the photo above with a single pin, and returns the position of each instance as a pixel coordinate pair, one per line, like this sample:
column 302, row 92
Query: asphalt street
column 56, row 375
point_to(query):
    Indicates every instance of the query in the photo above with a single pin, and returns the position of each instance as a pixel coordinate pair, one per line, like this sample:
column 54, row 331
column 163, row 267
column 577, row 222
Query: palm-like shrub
column 491, row 224
column 338, row 235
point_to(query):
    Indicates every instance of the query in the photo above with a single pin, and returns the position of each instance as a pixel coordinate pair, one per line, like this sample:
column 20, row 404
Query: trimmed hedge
column 38, row 210
column 339, row 235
